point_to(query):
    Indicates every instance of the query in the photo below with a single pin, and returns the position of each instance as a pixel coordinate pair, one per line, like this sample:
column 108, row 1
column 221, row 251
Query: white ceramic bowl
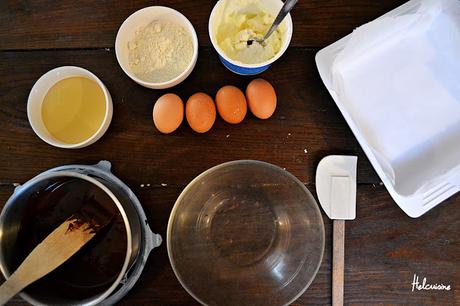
column 140, row 19
column 273, row 7
column 40, row 89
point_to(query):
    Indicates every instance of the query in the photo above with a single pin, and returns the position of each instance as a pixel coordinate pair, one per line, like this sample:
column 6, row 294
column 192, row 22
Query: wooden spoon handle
column 9, row 289
column 59, row 246
column 338, row 259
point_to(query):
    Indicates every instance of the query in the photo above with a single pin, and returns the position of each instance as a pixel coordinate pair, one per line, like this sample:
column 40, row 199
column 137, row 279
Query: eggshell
column 200, row 112
column 261, row 98
column 168, row 113
column 231, row 104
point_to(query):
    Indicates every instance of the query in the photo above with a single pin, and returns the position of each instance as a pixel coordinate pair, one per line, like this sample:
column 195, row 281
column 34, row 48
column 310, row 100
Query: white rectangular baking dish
column 418, row 163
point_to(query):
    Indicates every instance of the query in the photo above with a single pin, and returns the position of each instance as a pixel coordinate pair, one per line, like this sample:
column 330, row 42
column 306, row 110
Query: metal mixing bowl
column 140, row 239
column 245, row 233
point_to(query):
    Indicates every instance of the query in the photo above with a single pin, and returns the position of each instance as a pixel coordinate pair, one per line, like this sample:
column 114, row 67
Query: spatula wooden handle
column 338, row 260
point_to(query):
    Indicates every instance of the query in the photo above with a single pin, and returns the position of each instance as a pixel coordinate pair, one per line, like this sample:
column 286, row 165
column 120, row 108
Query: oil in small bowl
column 74, row 109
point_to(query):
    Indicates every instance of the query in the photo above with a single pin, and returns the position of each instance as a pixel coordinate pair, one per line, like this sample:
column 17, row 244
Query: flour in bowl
column 160, row 51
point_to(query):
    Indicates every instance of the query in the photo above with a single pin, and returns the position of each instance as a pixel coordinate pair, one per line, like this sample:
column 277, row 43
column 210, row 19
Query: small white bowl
column 142, row 18
column 273, row 7
column 38, row 93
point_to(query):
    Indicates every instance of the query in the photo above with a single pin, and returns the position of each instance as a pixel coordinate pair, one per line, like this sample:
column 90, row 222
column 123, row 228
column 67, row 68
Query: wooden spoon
column 52, row 252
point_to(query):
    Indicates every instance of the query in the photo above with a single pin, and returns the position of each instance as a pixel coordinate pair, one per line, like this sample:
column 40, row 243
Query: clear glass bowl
column 245, row 233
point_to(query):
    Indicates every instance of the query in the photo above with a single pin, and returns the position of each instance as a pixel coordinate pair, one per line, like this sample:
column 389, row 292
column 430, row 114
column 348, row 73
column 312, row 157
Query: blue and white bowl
column 272, row 6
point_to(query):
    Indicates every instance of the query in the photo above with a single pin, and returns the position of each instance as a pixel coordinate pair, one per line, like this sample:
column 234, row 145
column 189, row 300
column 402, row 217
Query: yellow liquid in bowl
column 73, row 109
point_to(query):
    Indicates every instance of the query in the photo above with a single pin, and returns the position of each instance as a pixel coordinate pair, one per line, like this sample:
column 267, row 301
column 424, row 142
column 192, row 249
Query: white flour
column 160, row 51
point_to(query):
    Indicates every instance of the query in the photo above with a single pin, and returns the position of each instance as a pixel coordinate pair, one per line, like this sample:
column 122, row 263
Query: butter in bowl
column 233, row 23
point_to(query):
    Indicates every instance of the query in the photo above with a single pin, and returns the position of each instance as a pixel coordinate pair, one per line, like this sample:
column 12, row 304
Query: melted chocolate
column 94, row 268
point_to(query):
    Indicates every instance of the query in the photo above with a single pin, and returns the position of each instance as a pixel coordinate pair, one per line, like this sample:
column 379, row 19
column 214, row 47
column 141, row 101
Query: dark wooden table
column 384, row 247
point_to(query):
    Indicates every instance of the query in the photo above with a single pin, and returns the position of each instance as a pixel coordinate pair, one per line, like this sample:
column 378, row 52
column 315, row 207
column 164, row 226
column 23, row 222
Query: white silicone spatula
column 336, row 189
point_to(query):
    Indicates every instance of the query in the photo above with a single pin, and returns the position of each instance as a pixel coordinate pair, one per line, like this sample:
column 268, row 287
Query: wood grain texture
column 384, row 248
column 306, row 119
column 338, row 260
column 47, row 24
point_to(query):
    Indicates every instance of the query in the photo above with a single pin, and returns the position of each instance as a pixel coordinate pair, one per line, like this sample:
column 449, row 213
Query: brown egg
column 261, row 98
column 200, row 112
column 168, row 113
column 231, row 104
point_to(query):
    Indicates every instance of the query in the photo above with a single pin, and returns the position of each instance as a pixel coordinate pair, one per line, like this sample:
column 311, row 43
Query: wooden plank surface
column 383, row 247
column 48, row 24
column 306, row 119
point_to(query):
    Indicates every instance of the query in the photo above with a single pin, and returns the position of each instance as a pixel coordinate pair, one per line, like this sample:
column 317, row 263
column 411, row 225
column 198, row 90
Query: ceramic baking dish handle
column 438, row 194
